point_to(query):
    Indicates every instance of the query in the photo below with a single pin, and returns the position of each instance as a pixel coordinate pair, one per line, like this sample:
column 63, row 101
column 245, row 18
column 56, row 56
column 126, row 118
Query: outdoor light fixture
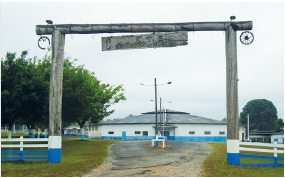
column 156, row 127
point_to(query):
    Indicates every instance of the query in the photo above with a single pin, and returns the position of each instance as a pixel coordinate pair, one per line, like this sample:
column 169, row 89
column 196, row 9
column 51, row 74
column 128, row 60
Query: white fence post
column 21, row 148
column 9, row 133
column 275, row 152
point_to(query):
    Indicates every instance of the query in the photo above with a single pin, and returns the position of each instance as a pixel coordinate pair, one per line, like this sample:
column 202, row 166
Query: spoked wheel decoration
column 246, row 38
column 43, row 42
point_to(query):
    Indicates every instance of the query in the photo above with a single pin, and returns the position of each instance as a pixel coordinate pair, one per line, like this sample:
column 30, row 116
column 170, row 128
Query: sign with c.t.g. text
column 153, row 40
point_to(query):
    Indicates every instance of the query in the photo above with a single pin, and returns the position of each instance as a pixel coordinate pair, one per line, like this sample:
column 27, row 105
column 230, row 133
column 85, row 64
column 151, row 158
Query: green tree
column 24, row 90
column 84, row 97
column 280, row 124
column 11, row 73
column 25, row 93
column 224, row 119
column 262, row 115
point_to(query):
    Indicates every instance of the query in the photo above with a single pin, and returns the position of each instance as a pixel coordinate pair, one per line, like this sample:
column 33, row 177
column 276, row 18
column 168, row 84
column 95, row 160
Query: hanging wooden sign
column 152, row 40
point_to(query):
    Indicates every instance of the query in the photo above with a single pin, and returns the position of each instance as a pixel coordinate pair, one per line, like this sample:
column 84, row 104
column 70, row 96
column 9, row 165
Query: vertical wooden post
column 55, row 101
column 232, row 97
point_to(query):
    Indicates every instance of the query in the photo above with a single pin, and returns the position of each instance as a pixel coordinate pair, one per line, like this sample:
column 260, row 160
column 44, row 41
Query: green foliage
column 24, row 90
column 280, row 124
column 224, row 119
column 84, row 97
column 262, row 115
column 254, row 130
column 25, row 93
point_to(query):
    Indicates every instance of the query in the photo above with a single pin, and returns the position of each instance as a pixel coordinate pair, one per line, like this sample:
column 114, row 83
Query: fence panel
column 21, row 146
column 275, row 151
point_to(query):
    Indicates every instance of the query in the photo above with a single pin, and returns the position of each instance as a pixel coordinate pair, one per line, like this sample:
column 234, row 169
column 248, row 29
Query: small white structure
column 273, row 136
column 174, row 125
column 71, row 130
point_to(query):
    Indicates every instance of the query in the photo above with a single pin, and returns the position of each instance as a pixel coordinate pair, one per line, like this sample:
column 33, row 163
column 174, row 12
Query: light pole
column 160, row 114
column 248, row 127
column 156, row 128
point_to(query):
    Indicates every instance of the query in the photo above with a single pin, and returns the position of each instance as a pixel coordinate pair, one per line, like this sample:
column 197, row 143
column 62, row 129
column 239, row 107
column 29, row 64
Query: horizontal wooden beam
column 141, row 28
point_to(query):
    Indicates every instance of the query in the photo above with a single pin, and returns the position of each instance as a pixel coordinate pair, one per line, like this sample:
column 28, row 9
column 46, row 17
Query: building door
column 166, row 134
column 124, row 135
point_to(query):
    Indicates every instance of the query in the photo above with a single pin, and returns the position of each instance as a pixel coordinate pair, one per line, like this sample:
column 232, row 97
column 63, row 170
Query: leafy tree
column 11, row 73
column 25, row 93
column 254, row 130
column 262, row 115
column 224, row 119
column 24, row 90
column 84, row 97
column 280, row 124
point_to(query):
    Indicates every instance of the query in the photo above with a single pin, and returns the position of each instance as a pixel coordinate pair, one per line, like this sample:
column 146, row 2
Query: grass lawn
column 78, row 156
column 216, row 164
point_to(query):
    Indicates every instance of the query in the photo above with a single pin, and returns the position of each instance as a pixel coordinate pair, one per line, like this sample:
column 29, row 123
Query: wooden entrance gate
column 58, row 32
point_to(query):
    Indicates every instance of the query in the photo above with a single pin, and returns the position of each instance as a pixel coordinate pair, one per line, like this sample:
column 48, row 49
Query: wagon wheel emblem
column 246, row 38
column 43, row 42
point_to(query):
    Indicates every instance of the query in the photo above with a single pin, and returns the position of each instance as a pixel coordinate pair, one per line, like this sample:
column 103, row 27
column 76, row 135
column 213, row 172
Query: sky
column 197, row 71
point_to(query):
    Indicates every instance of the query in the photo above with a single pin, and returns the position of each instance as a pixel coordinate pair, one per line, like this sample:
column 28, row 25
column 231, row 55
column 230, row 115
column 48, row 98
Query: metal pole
column 156, row 129
column 248, row 127
column 163, row 121
column 160, row 117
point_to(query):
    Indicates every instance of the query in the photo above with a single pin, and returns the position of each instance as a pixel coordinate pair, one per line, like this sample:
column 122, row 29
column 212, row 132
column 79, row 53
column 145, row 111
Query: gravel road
column 137, row 159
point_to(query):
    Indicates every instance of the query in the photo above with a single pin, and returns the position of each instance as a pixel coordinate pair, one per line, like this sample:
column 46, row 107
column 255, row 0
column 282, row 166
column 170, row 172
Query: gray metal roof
column 266, row 133
column 172, row 117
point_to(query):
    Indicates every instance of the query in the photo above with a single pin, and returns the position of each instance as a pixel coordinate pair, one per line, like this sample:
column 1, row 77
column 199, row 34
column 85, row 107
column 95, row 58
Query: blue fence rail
column 21, row 146
column 275, row 151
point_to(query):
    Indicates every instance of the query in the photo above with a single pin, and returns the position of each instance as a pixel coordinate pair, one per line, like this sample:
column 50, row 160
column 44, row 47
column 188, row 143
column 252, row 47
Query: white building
column 71, row 130
column 273, row 136
column 174, row 125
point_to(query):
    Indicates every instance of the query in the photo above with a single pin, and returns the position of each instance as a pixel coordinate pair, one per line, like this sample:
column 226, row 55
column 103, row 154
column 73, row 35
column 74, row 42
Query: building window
column 145, row 133
column 222, row 133
column 96, row 127
column 111, row 132
column 207, row 133
column 192, row 132
column 137, row 132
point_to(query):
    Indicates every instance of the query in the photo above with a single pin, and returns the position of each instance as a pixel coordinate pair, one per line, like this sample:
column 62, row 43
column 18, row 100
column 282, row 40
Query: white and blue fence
column 22, row 146
column 275, row 151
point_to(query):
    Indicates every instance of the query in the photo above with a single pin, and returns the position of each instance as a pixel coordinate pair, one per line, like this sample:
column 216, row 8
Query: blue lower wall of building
column 175, row 138
column 112, row 137
column 199, row 138
column 140, row 137
column 71, row 135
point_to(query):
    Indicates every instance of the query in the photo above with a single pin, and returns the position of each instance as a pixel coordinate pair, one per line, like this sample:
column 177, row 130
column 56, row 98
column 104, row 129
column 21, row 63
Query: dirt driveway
column 136, row 159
